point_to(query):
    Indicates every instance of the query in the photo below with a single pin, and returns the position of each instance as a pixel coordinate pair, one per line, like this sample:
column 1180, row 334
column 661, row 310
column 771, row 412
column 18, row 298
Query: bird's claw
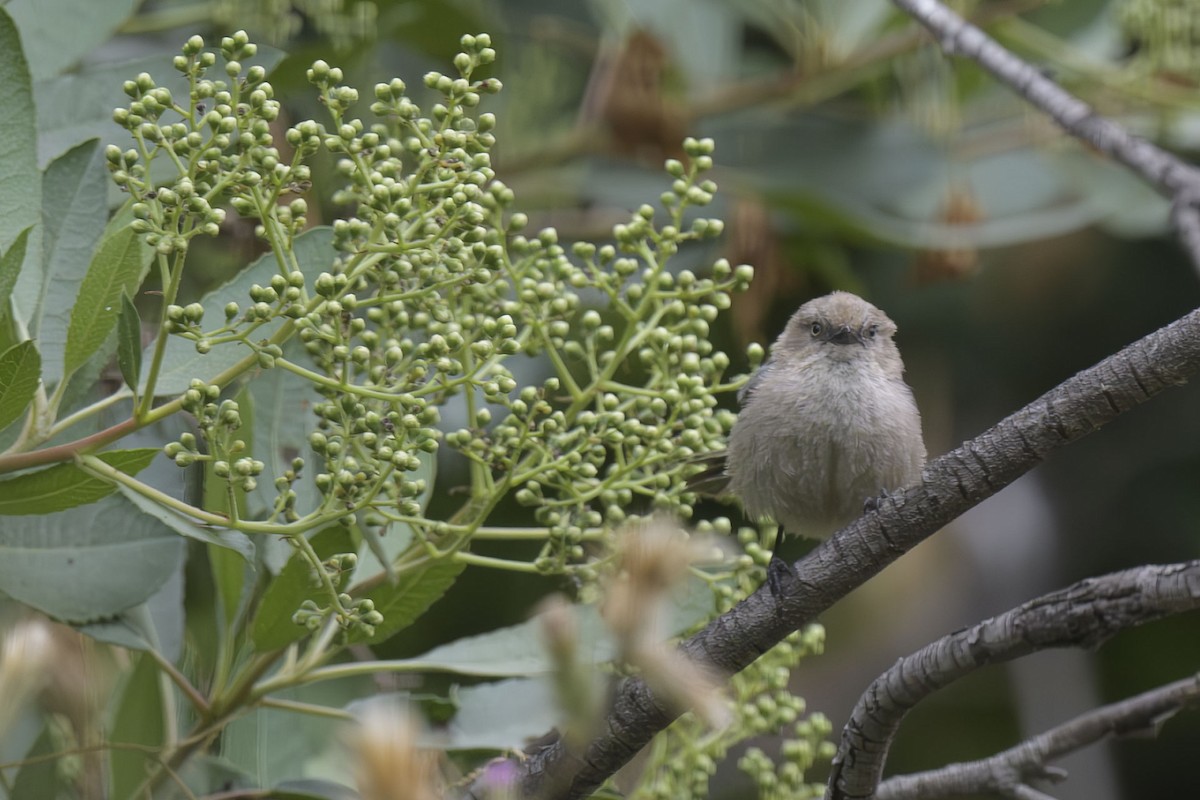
column 873, row 503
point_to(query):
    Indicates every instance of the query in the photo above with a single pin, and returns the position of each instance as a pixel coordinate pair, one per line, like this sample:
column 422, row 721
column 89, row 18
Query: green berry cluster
column 218, row 142
column 685, row 756
column 350, row 615
column 1165, row 34
column 432, row 289
column 218, row 422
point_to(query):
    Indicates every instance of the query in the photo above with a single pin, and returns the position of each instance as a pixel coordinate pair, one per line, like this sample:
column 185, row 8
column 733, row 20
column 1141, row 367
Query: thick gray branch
column 1008, row 772
column 951, row 484
column 1083, row 615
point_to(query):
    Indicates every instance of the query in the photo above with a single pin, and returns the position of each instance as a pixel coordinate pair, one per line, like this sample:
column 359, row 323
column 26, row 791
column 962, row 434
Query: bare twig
column 1008, row 772
column 1170, row 175
column 1083, row 615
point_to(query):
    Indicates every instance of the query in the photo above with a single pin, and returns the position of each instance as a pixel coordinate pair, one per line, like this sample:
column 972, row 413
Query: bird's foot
column 779, row 573
column 873, row 503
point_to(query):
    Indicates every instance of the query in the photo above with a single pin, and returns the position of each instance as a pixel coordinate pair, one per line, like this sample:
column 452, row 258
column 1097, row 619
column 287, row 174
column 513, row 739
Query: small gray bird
column 826, row 424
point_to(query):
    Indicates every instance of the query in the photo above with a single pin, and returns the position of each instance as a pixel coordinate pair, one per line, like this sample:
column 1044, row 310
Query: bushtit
column 826, row 424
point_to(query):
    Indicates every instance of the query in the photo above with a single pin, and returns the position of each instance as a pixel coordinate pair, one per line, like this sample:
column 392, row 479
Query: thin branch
column 1009, row 771
column 1083, row 615
column 1170, row 175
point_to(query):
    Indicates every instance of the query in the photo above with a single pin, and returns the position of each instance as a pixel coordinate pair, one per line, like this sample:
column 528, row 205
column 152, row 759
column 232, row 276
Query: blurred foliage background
column 851, row 155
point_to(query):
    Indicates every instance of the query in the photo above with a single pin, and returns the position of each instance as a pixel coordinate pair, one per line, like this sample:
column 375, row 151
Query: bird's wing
column 744, row 394
column 713, row 480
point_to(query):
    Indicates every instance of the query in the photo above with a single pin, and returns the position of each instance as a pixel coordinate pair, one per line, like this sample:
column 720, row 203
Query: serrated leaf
column 410, row 597
column 129, row 343
column 66, row 485
column 314, row 254
column 20, row 180
column 273, row 627
column 10, row 268
column 20, row 370
column 115, row 270
column 87, row 563
column 74, row 214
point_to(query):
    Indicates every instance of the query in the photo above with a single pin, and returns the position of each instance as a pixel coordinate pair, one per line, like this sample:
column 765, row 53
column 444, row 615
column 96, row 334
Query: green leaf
column 231, row 540
column 490, row 716
column 232, row 575
column 121, row 630
column 20, row 180
column 87, row 563
column 181, row 363
column 66, row 485
column 115, row 270
column 278, row 746
column 10, row 268
column 418, row 588
column 40, row 775
column 517, row 651
column 58, row 33
column 129, row 343
column 273, row 627
column 20, row 370
column 138, row 721
column 502, row 715
column 75, row 212
column 154, row 625
column 283, row 403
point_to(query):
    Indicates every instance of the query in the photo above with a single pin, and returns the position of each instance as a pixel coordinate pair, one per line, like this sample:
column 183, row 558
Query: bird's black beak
column 844, row 335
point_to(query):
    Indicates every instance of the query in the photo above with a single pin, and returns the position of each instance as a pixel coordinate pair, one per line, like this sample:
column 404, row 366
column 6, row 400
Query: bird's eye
column 871, row 331
column 816, row 329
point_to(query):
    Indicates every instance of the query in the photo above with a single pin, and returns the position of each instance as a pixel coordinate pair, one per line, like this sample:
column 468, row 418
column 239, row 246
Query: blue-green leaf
column 20, row 180
column 129, row 343
column 116, row 270
column 273, row 627
column 66, row 485
column 58, row 33
column 87, row 563
column 10, row 269
column 20, row 370
column 74, row 213
column 314, row 254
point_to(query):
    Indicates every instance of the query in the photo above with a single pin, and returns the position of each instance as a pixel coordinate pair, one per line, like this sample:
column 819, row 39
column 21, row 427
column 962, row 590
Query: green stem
column 160, row 343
